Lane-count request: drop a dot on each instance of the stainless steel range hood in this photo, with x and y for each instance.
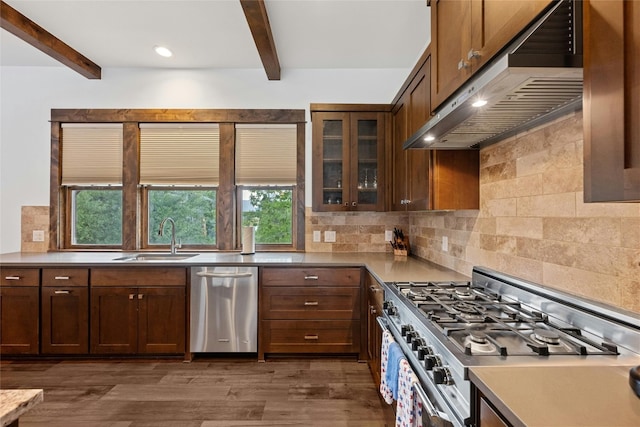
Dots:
(538, 77)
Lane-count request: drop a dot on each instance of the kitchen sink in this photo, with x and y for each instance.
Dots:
(156, 257)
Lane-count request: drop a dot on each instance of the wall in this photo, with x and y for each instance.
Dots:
(29, 94)
(533, 224)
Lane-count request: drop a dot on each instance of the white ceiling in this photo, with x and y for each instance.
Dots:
(210, 34)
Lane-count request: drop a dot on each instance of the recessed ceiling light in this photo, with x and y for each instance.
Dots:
(479, 103)
(163, 51)
(429, 138)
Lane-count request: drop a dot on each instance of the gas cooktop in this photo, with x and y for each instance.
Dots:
(483, 323)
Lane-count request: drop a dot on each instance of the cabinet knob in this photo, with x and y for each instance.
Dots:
(140, 296)
(354, 204)
(131, 296)
(346, 204)
(463, 64)
(372, 309)
(473, 54)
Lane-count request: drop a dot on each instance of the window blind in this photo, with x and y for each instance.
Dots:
(179, 154)
(266, 154)
(91, 154)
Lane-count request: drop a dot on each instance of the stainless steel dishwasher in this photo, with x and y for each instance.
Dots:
(224, 309)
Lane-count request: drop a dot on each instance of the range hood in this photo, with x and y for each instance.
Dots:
(538, 77)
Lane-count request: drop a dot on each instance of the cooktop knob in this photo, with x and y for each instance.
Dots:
(411, 336)
(418, 342)
(442, 375)
(423, 351)
(432, 361)
(405, 329)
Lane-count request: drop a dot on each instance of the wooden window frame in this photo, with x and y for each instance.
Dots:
(132, 192)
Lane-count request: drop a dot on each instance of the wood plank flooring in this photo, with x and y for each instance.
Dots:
(204, 393)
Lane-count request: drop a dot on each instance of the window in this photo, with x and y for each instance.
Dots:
(194, 213)
(117, 173)
(184, 157)
(266, 176)
(96, 216)
(270, 211)
(92, 176)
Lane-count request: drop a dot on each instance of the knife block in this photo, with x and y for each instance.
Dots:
(404, 242)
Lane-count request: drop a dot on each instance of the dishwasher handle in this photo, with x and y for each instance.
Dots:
(224, 275)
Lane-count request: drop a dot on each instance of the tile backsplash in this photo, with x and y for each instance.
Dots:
(532, 222)
(34, 218)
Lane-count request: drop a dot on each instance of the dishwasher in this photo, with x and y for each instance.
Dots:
(224, 309)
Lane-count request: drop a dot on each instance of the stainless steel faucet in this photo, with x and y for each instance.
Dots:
(173, 234)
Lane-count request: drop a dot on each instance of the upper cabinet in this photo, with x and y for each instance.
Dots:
(466, 34)
(611, 112)
(348, 153)
(428, 179)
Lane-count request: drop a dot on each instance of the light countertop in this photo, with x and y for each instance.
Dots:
(386, 267)
(14, 403)
(561, 396)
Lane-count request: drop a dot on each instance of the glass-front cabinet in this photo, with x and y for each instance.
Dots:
(348, 171)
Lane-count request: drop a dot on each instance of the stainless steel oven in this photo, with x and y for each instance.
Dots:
(445, 328)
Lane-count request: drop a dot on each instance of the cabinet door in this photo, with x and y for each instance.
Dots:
(418, 193)
(374, 331)
(456, 179)
(400, 173)
(450, 41)
(367, 152)
(495, 23)
(65, 320)
(161, 320)
(611, 108)
(330, 161)
(114, 320)
(19, 312)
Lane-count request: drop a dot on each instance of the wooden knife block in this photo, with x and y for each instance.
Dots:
(404, 242)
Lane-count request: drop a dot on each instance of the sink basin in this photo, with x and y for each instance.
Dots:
(156, 257)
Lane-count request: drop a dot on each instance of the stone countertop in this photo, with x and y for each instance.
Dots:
(14, 403)
(561, 396)
(386, 267)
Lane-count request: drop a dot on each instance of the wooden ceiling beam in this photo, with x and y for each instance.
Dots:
(256, 13)
(32, 33)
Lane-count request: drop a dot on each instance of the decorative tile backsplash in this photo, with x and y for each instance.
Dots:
(34, 218)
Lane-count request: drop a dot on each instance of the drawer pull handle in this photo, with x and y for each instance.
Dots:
(131, 296)
(310, 277)
(12, 278)
(61, 277)
(311, 303)
(311, 337)
(63, 292)
(140, 296)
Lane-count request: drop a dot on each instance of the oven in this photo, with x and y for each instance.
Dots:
(445, 328)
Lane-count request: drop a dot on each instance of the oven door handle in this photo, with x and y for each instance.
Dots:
(436, 418)
(382, 322)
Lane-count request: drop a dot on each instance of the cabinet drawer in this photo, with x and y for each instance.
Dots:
(310, 303)
(155, 276)
(64, 277)
(311, 336)
(310, 276)
(20, 277)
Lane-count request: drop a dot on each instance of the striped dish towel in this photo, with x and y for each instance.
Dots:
(408, 409)
(385, 389)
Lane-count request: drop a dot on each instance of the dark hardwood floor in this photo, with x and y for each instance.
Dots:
(203, 393)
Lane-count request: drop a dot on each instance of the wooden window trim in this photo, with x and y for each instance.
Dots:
(132, 194)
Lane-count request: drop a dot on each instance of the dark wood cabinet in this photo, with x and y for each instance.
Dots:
(19, 311)
(466, 34)
(310, 310)
(428, 179)
(348, 156)
(65, 311)
(145, 318)
(375, 297)
(611, 112)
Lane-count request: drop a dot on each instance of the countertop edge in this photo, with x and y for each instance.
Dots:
(15, 403)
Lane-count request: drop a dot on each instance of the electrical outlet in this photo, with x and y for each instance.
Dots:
(388, 235)
(38, 235)
(445, 244)
(316, 235)
(330, 236)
